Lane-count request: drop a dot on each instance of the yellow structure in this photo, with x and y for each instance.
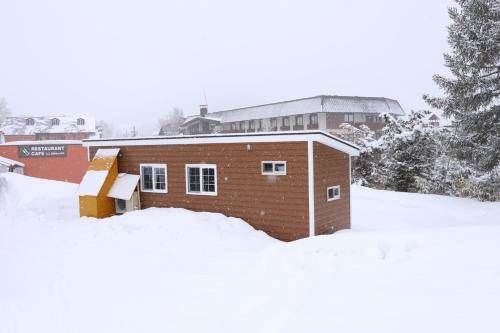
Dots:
(95, 185)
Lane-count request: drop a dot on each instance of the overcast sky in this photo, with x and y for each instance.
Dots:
(131, 61)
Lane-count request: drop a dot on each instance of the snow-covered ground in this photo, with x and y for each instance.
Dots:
(411, 263)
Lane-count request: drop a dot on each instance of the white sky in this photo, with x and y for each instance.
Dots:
(131, 61)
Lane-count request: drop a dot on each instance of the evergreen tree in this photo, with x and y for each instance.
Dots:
(365, 167)
(408, 148)
(472, 93)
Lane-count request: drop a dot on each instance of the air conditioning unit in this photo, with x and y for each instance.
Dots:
(121, 206)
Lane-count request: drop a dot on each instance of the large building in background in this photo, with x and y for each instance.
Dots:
(47, 128)
(324, 112)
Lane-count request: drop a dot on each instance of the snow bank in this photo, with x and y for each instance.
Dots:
(407, 266)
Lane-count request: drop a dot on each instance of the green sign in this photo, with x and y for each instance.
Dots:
(42, 151)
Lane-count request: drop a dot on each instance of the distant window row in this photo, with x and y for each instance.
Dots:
(285, 122)
(54, 122)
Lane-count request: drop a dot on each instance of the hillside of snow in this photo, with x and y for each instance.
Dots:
(411, 263)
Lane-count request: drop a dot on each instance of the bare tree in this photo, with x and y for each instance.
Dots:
(171, 123)
(106, 130)
(4, 109)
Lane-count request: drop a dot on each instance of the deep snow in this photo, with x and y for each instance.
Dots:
(411, 263)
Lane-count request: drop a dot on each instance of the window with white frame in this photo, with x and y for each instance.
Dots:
(348, 117)
(201, 179)
(333, 193)
(313, 119)
(273, 168)
(299, 120)
(154, 178)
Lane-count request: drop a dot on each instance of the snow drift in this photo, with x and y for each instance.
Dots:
(412, 263)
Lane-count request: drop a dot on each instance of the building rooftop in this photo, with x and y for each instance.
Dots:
(296, 136)
(53, 124)
(321, 103)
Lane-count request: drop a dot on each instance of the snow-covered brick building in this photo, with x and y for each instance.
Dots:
(324, 112)
(290, 185)
(48, 128)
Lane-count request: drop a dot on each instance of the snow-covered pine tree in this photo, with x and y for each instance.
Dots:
(408, 152)
(472, 94)
(365, 167)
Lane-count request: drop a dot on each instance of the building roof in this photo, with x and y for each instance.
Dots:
(294, 136)
(322, 103)
(192, 118)
(98, 171)
(42, 142)
(8, 162)
(22, 126)
(124, 186)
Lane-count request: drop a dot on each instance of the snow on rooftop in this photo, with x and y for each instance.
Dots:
(315, 104)
(43, 142)
(9, 162)
(189, 119)
(123, 186)
(55, 124)
(92, 182)
(103, 153)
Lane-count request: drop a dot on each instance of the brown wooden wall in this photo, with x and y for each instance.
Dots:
(277, 205)
(331, 167)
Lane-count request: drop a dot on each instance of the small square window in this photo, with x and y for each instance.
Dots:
(333, 193)
(267, 167)
(274, 168)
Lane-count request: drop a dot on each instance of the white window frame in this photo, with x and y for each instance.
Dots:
(334, 197)
(201, 166)
(153, 166)
(273, 173)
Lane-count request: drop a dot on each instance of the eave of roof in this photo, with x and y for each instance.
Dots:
(318, 136)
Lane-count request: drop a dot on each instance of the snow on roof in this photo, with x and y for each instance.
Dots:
(319, 136)
(323, 103)
(55, 124)
(43, 142)
(103, 153)
(123, 186)
(92, 182)
(9, 162)
(189, 119)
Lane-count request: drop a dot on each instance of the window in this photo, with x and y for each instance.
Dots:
(242, 125)
(251, 124)
(55, 122)
(154, 178)
(348, 117)
(201, 179)
(299, 120)
(30, 122)
(333, 193)
(80, 121)
(285, 122)
(313, 119)
(261, 125)
(274, 168)
(233, 126)
(274, 123)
